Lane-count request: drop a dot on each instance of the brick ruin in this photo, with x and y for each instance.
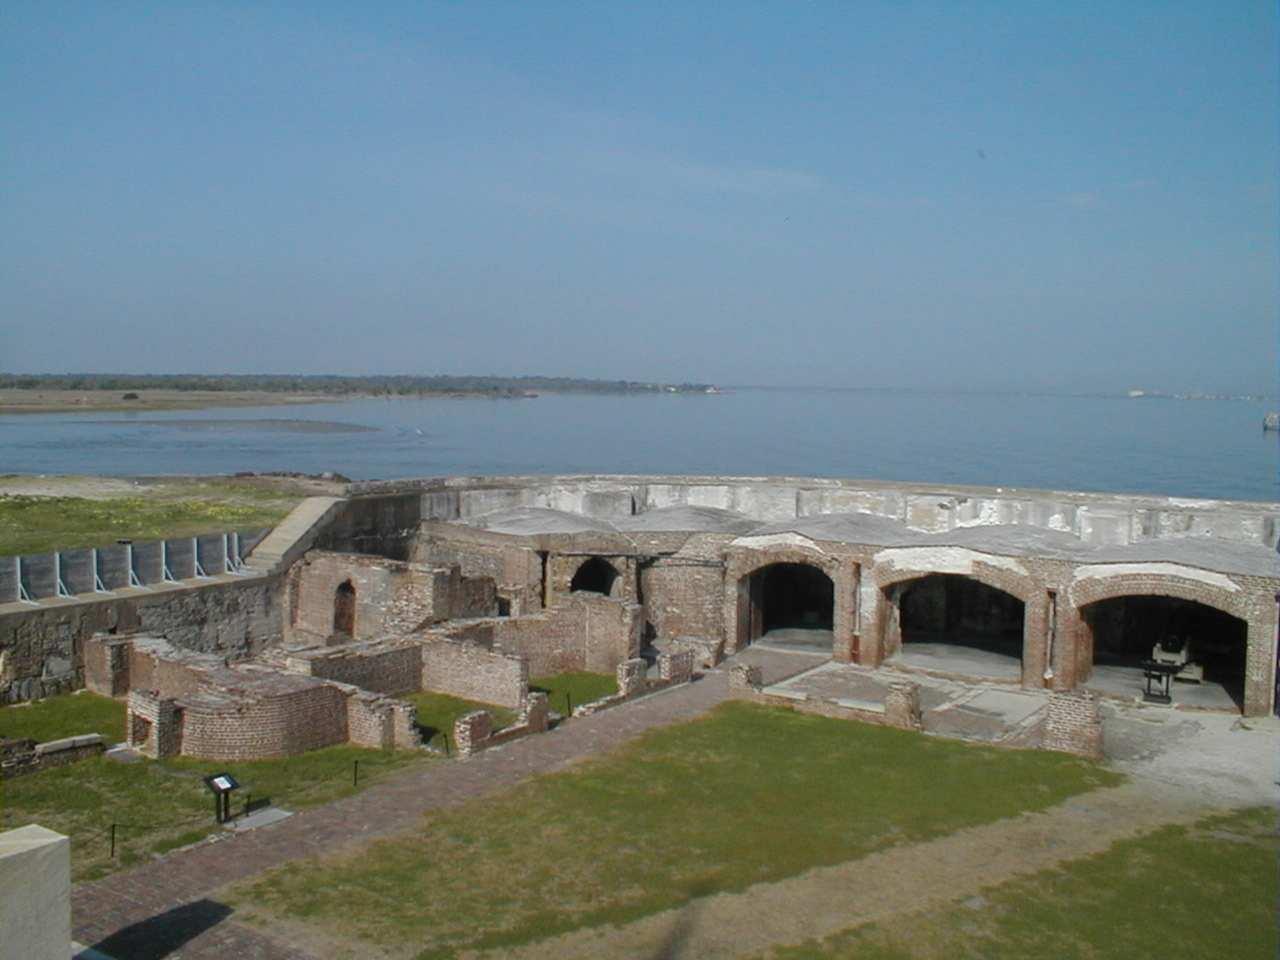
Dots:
(471, 586)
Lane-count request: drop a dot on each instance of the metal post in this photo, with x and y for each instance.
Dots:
(59, 588)
(22, 591)
(98, 586)
(195, 552)
(133, 576)
(165, 572)
(355, 773)
(113, 841)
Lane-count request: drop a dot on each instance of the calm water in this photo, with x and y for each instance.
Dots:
(1184, 448)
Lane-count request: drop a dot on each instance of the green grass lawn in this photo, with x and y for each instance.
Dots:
(65, 716)
(747, 794)
(438, 711)
(159, 806)
(42, 524)
(567, 690)
(1178, 893)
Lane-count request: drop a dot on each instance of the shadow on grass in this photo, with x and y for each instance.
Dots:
(672, 946)
(166, 933)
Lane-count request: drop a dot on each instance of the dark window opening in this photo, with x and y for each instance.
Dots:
(594, 576)
(953, 609)
(792, 601)
(1212, 644)
(344, 609)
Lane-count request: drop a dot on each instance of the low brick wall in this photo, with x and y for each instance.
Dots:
(474, 731)
(633, 680)
(469, 671)
(390, 668)
(901, 707)
(20, 757)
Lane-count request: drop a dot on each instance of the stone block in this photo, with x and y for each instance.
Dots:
(35, 894)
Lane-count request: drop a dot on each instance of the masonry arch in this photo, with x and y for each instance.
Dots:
(595, 575)
(1123, 626)
(956, 623)
(344, 609)
(789, 602)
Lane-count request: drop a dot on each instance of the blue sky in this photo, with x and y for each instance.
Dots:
(1006, 196)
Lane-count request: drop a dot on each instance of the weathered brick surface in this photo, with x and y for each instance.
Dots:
(1073, 725)
(465, 670)
(676, 667)
(902, 705)
(20, 757)
(744, 678)
(42, 647)
(388, 668)
(471, 731)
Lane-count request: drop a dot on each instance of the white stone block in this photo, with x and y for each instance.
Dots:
(35, 894)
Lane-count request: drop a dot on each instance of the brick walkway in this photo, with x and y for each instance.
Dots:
(164, 909)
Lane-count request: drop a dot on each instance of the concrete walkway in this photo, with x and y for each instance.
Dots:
(165, 908)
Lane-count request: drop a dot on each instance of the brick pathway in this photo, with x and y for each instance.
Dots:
(164, 909)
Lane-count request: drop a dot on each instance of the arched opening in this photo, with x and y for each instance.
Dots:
(1206, 645)
(344, 609)
(595, 576)
(792, 604)
(954, 624)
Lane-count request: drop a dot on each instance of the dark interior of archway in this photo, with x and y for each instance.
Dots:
(595, 576)
(344, 609)
(948, 608)
(1126, 630)
(796, 595)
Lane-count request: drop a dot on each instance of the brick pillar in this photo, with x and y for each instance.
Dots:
(471, 730)
(535, 712)
(153, 725)
(1035, 639)
(744, 678)
(1073, 725)
(902, 705)
(631, 677)
(675, 667)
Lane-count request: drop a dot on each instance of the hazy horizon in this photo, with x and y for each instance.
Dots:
(978, 198)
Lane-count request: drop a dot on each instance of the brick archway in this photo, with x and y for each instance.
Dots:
(595, 575)
(344, 609)
(1239, 619)
(743, 611)
(893, 583)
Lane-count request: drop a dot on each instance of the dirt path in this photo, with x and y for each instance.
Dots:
(901, 880)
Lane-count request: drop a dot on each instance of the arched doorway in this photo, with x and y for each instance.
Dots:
(1207, 644)
(344, 609)
(791, 604)
(955, 624)
(596, 575)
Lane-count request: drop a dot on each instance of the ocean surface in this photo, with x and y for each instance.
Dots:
(1214, 449)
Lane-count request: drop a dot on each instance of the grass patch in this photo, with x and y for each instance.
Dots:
(1179, 893)
(161, 806)
(42, 524)
(69, 715)
(567, 690)
(438, 711)
(744, 795)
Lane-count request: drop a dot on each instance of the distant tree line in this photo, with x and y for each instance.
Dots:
(398, 385)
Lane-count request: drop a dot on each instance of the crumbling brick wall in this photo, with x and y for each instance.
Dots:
(20, 757)
(390, 668)
(391, 596)
(582, 632)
